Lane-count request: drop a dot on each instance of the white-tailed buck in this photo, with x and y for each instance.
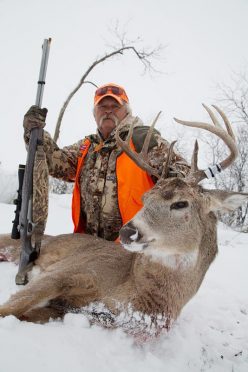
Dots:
(167, 249)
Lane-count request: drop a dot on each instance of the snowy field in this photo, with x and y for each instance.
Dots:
(210, 335)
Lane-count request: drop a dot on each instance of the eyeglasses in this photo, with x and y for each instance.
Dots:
(110, 89)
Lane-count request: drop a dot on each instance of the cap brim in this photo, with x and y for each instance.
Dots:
(118, 99)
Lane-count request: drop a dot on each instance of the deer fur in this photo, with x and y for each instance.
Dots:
(167, 249)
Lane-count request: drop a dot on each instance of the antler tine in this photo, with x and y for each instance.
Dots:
(227, 137)
(195, 175)
(138, 158)
(166, 169)
(130, 132)
(226, 121)
(212, 116)
(124, 144)
(145, 146)
(194, 159)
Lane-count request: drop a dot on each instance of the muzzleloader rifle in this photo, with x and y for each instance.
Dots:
(30, 232)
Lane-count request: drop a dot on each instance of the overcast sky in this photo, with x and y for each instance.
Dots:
(205, 41)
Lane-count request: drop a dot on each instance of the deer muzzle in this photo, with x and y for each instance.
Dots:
(129, 234)
(131, 238)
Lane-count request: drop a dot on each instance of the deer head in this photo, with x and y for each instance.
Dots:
(178, 214)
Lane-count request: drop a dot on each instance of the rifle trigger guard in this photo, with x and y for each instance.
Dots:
(30, 228)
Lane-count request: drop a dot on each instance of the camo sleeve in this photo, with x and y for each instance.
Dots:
(158, 154)
(62, 163)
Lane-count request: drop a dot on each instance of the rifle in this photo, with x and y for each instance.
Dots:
(26, 225)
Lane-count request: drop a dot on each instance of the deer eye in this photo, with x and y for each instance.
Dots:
(179, 205)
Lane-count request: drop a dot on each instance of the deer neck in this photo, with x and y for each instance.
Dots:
(164, 287)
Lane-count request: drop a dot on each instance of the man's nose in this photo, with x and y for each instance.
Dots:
(108, 110)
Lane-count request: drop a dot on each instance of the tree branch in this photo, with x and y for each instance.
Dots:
(143, 55)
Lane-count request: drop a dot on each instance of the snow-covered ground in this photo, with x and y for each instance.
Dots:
(210, 335)
(8, 185)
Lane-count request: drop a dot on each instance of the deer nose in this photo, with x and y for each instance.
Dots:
(129, 234)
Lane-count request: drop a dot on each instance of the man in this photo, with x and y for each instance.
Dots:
(108, 185)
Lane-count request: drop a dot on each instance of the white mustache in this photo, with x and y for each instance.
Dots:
(112, 117)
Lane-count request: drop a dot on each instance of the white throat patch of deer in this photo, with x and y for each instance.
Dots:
(170, 244)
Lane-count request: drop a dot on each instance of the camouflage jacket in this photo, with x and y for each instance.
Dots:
(98, 186)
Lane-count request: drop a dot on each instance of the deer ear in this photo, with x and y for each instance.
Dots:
(226, 201)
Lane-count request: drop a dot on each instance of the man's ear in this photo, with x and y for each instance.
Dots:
(225, 201)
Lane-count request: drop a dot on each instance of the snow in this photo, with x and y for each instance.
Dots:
(8, 185)
(210, 335)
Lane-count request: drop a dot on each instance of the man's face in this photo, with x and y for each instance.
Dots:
(108, 113)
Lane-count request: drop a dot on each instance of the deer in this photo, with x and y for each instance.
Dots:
(165, 250)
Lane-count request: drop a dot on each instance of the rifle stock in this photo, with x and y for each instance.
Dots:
(26, 225)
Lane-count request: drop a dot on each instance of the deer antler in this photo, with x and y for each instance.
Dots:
(141, 158)
(166, 170)
(196, 175)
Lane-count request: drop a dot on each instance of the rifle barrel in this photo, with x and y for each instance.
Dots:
(43, 69)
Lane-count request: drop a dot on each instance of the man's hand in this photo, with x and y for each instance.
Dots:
(35, 118)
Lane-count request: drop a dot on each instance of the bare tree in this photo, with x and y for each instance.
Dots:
(234, 96)
(234, 100)
(122, 46)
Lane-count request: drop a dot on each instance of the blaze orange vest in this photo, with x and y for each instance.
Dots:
(132, 183)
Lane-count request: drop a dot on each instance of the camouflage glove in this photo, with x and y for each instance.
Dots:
(35, 118)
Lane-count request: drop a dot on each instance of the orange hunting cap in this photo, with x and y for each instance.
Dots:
(111, 90)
